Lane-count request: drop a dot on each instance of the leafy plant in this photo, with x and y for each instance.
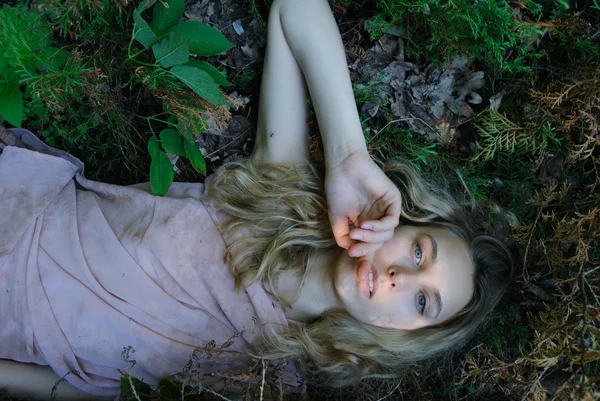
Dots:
(490, 31)
(171, 44)
(26, 54)
(499, 134)
(74, 103)
(85, 19)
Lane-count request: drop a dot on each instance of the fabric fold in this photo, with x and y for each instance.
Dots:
(88, 270)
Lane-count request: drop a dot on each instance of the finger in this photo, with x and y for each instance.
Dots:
(384, 224)
(341, 231)
(389, 221)
(358, 234)
(363, 249)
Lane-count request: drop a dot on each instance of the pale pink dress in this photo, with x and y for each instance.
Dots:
(88, 269)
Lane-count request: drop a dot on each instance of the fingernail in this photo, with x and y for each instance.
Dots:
(367, 227)
(357, 237)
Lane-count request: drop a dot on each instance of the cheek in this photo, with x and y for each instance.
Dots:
(397, 311)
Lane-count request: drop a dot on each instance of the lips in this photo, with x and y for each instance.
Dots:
(362, 274)
(375, 281)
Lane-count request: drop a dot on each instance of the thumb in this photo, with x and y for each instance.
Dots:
(341, 230)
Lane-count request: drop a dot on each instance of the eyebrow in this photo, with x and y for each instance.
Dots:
(438, 298)
(434, 247)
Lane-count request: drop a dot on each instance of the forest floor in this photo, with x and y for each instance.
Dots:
(505, 93)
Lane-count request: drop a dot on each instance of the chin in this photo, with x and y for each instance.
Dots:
(345, 282)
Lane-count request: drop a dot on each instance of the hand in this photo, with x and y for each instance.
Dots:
(357, 190)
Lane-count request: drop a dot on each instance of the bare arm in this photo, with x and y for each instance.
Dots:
(282, 134)
(356, 188)
(25, 380)
(313, 36)
(304, 42)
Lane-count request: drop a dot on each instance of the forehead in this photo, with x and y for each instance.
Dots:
(454, 270)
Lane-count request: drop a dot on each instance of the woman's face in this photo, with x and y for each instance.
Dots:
(421, 277)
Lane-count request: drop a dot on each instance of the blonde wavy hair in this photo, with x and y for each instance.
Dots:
(283, 212)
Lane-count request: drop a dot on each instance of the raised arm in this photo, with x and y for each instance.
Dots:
(356, 188)
(303, 42)
(282, 133)
(313, 36)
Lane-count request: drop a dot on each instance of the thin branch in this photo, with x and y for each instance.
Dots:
(227, 144)
(529, 243)
(135, 394)
(537, 380)
(391, 392)
(262, 383)
(397, 121)
(591, 289)
(591, 271)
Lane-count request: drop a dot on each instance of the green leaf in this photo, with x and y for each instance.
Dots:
(200, 82)
(142, 32)
(27, 32)
(124, 384)
(11, 106)
(172, 50)
(11, 74)
(60, 58)
(144, 5)
(164, 18)
(172, 142)
(8, 72)
(52, 59)
(161, 170)
(193, 153)
(217, 75)
(131, 387)
(204, 39)
(168, 389)
(3, 64)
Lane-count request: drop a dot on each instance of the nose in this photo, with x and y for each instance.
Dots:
(398, 277)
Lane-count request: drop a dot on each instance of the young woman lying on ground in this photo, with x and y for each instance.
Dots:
(89, 269)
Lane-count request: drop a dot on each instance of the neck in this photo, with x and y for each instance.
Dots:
(317, 294)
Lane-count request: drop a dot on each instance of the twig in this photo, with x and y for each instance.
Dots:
(528, 244)
(228, 144)
(591, 271)
(280, 389)
(54, 391)
(183, 384)
(213, 392)
(391, 392)
(397, 121)
(135, 394)
(262, 383)
(535, 383)
(591, 289)
(584, 314)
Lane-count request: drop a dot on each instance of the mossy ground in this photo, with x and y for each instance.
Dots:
(537, 157)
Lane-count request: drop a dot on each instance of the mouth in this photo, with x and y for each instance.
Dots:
(373, 283)
(367, 277)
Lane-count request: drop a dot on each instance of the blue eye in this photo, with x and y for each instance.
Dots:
(422, 302)
(418, 252)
